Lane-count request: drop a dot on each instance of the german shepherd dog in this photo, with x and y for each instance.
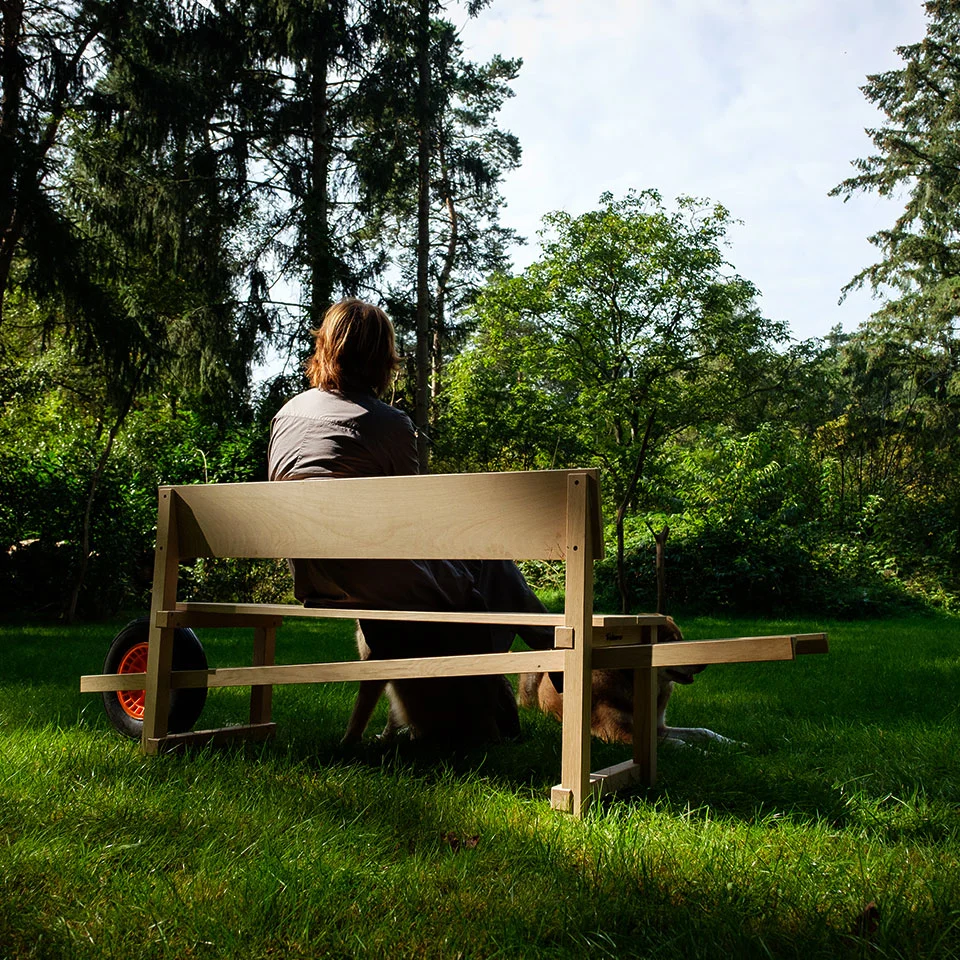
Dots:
(447, 711)
(611, 716)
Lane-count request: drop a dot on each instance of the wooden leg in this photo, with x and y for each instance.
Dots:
(367, 697)
(264, 652)
(574, 792)
(156, 708)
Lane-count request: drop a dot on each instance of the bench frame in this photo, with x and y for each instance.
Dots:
(552, 514)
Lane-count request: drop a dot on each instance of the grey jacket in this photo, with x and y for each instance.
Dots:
(321, 435)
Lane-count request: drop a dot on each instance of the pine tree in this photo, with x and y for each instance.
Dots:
(901, 426)
(49, 59)
(918, 153)
(431, 159)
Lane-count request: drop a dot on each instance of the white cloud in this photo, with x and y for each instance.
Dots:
(752, 103)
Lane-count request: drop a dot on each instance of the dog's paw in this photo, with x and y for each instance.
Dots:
(675, 743)
(697, 735)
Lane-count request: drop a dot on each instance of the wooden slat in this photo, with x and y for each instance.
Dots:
(529, 661)
(612, 635)
(207, 614)
(617, 777)
(254, 618)
(612, 621)
(196, 614)
(645, 689)
(466, 516)
(166, 568)
(264, 651)
(692, 652)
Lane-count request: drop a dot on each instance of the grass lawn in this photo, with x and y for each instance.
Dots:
(846, 795)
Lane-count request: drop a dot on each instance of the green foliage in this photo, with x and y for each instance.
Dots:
(753, 527)
(630, 329)
(50, 444)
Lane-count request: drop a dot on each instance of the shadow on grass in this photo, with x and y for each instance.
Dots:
(417, 859)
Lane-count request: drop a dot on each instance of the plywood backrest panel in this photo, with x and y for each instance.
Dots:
(436, 516)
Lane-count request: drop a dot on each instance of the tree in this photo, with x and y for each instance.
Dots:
(431, 159)
(918, 152)
(50, 58)
(900, 429)
(130, 263)
(314, 52)
(629, 329)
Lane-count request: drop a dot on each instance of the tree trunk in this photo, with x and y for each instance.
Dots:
(621, 517)
(70, 612)
(422, 404)
(444, 280)
(13, 79)
(661, 565)
(318, 203)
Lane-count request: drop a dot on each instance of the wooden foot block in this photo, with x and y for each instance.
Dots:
(619, 776)
(561, 798)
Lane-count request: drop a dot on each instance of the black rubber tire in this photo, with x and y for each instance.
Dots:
(185, 705)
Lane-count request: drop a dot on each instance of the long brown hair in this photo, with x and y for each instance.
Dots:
(355, 348)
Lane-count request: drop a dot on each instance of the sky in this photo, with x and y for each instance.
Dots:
(754, 104)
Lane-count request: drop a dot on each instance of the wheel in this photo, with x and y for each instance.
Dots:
(128, 654)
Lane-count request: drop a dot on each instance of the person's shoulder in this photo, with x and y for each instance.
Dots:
(315, 404)
(301, 403)
(392, 414)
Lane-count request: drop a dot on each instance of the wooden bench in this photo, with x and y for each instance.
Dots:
(546, 515)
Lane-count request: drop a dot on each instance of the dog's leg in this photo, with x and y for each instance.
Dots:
(505, 710)
(367, 696)
(681, 736)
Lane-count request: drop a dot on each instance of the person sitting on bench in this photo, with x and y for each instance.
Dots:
(340, 428)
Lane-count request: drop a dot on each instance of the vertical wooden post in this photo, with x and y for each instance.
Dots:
(645, 719)
(261, 695)
(166, 570)
(573, 794)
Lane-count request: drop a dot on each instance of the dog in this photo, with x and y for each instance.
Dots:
(611, 716)
(445, 711)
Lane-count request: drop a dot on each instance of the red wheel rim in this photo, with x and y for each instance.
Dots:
(134, 661)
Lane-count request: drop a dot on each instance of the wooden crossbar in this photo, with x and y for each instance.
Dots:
(474, 665)
(218, 614)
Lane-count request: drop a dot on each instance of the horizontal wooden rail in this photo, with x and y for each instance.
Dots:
(804, 643)
(534, 661)
(694, 652)
(206, 614)
(684, 653)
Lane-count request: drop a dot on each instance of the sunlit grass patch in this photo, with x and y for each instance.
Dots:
(844, 794)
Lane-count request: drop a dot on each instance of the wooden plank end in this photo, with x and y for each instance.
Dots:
(619, 776)
(805, 643)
